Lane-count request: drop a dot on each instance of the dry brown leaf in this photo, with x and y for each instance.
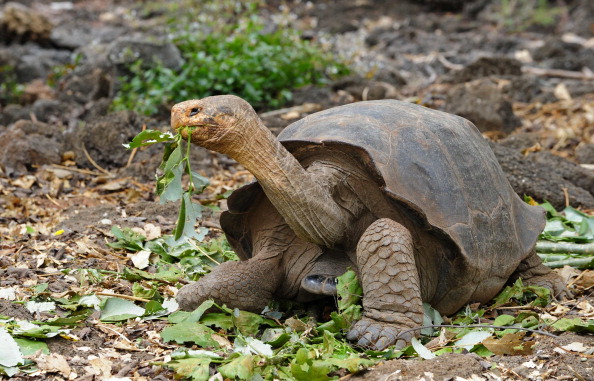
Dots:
(223, 341)
(509, 344)
(586, 280)
(54, 363)
(99, 366)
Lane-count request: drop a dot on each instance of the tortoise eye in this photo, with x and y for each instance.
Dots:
(195, 111)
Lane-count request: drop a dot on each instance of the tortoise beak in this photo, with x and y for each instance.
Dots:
(175, 117)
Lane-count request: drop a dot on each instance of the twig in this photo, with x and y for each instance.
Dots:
(557, 73)
(574, 353)
(52, 200)
(203, 252)
(90, 159)
(576, 373)
(566, 194)
(134, 150)
(123, 296)
(83, 171)
(448, 64)
(114, 331)
(576, 279)
(477, 326)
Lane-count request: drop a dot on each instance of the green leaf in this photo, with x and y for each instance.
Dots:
(217, 319)
(199, 182)
(421, 350)
(10, 353)
(430, 317)
(190, 331)
(472, 339)
(349, 290)
(43, 331)
(574, 325)
(199, 311)
(352, 364)
(117, 309)
(169, 274)
(30, 347)
(521, 293)
(276, 337)
(195, 368)
(148, 137)
(72, 319)
(549, 208)
(127, 239)
(248, 323)
(169, 185)
(189, 213)
(503, 320)
(310, 370)
(240, 367)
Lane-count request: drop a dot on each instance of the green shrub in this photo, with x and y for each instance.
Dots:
(519, 15)
(10, 90)
(238, 58)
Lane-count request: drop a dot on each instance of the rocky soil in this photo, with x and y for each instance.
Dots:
(528, 87)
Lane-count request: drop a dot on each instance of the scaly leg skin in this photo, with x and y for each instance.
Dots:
(247, 285)
(391, 295)
(534, 273)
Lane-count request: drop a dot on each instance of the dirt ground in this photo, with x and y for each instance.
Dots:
(541, 125)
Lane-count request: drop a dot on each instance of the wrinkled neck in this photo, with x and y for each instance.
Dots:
(306, 206)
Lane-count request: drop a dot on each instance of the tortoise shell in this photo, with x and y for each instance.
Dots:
(436, 164)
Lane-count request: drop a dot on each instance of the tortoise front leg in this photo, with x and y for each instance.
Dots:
(391, 294)
(247, 285)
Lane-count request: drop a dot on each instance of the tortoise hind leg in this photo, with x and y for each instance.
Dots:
(391, 294)
(534, 272)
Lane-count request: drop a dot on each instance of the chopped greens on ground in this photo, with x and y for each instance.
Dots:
(567, 239)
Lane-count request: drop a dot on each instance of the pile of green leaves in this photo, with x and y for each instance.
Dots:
(249, 345)
(226, 54)
(567, 239)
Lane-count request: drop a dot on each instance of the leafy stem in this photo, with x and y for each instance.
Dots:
(174, 165)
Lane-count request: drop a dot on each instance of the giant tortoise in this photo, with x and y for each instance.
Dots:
(411, 198)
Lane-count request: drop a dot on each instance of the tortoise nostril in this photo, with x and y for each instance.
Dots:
(195, 111)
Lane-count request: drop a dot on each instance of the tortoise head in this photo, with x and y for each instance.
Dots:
(221, 123)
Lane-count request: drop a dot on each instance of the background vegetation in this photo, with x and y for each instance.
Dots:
(234, 53)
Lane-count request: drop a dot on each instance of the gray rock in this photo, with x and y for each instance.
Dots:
(585, 153)
(86, 83)
(484, 104)
(30, 61)
(558, 54)
(126, 51)
(103, 139)
(486, 67)
(26, 144)
(11, 113)
(48, 110)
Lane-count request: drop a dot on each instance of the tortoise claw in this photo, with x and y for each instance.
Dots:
(378, 336)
